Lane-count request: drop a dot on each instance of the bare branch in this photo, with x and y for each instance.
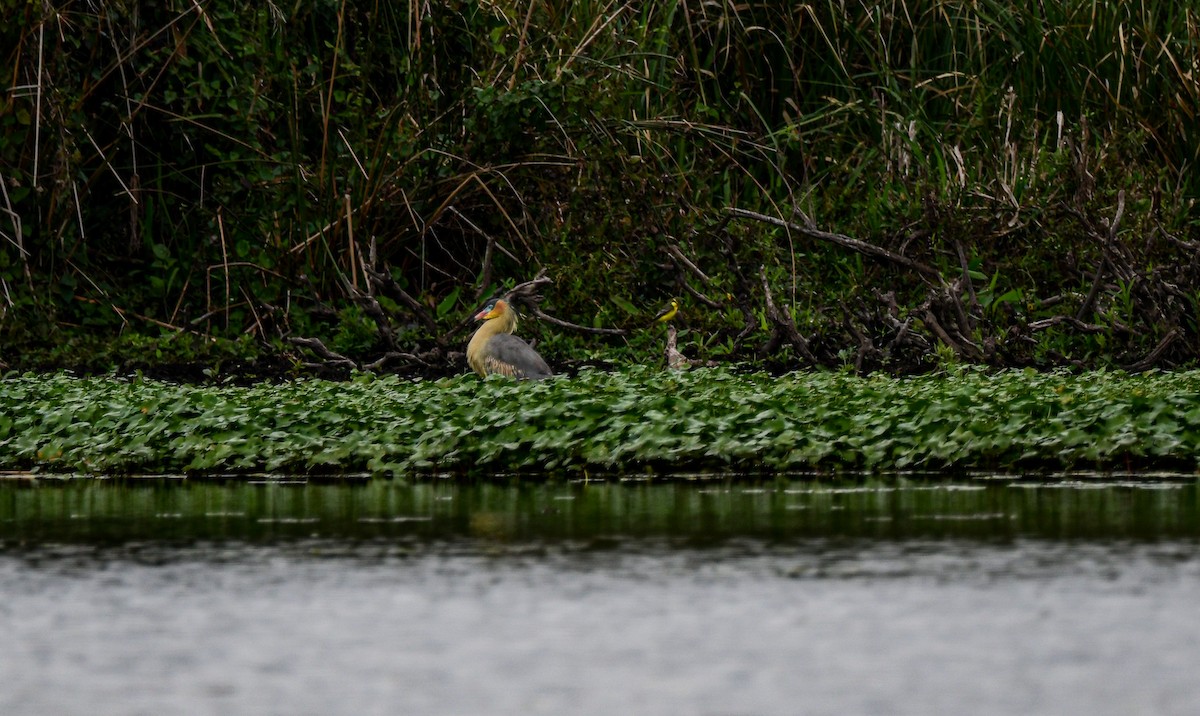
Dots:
(700, 297)
(963, 347)
(576, 327)
(749, 321)
(782, 321)
(682, 263)
(370, 306)
(316, 346)
(1153, 356)
(410, 358)
(966, 281)
(858, 245)
(485, 271)
(1105, 262)
(1070, 321)
(677, 254)
(384, 283)
(529, 293)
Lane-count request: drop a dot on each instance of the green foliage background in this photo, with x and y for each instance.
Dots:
(192, 174)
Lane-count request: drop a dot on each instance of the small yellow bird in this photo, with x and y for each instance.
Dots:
(668, 313)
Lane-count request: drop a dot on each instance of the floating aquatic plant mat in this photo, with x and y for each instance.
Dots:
(633, 420)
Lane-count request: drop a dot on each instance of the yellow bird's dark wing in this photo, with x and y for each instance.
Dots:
(668, 313)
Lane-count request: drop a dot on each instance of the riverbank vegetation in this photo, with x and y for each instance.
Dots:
(869, 185)
(624, 422)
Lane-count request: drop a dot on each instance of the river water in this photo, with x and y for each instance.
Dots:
(869, 596)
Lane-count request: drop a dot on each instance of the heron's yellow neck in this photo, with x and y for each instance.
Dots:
(504, 323)
(492, 327)
(508, 322)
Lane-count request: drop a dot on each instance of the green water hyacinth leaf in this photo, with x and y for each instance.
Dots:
(625, 421)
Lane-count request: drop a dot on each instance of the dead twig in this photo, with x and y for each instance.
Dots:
(316, 346)
(370, 306)
(542, 315)
(701, 298)
(903, 335)
(683, 265)
(782, 323)
(968, 318)
(367, 300)
(1154, 355)
(858, 245)
(1072, 321)
(749, 321)
(529, 295)
(866, 347)
(1106, 260)
(677, 254)
(424, 359)
(384, 283)
(963, 347)
(485, 271)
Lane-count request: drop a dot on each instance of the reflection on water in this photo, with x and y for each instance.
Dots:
(713, 597)
(695, 511)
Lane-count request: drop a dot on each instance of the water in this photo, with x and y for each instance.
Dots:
(884, 596)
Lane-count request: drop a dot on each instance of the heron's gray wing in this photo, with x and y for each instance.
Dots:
(510, 355)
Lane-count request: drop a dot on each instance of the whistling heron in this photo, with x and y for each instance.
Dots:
(493, 348)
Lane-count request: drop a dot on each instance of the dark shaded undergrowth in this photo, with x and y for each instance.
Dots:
(887, 186)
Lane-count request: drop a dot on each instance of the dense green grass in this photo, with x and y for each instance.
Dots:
(631, 421)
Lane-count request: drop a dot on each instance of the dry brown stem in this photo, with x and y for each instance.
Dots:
(1154, 355)
(1106, 260)
(782, 325)
(858, 245)
(384, 283)
(316, 346)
